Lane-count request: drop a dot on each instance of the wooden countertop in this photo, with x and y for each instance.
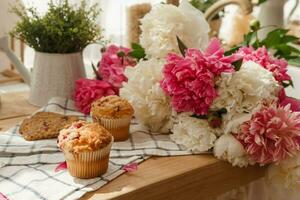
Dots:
(158, 178)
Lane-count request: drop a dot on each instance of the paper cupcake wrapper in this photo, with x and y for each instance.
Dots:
(88, 164)
(119, 128)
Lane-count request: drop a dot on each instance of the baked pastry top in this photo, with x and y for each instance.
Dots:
(83, 136)
(44, 125)
(111, 107)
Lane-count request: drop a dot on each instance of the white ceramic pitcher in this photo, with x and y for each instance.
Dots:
(53, 74)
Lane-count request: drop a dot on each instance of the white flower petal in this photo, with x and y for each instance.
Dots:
(164, 22)
(242, 93)
(194, 134)
(230, 149)
(152, 107)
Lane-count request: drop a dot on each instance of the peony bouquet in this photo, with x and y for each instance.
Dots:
(232, 103)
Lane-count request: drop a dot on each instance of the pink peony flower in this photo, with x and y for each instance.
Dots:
(88, 90)
(261, 56)
(113, 63)
(190, 80)
(272, 134)
(215, 59)
(285, 100)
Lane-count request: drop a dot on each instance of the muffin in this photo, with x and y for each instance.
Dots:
(86, 147)
(114, 113)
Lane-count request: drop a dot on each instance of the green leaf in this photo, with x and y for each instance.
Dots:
(277, 41)
(121, 54)
(289, 38)
(96, 72)
(137, 52)
(136, 46)
(275, 37)
(237, 64)
(200, 116)
(222, 111)
(202, 5)
(232, 50)
(286, 51)
(181, 45)
(261, 1)
(248, 38)
(291, 49)
(286, 84)
(295, 62)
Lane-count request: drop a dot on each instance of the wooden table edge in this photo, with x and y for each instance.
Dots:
(198, 183)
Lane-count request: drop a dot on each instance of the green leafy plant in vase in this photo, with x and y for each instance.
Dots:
(58, 38)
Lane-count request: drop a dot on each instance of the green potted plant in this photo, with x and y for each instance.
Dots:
(58, 38)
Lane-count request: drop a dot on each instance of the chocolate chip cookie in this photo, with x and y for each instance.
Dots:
(44, 125)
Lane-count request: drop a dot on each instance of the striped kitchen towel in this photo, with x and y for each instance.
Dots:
(43, 182)
(14, 149)
(28, 166)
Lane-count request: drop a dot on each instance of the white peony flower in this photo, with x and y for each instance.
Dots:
(255, 81)
(283, 179)
(194, 134)
(151, 106)
(230, 149)
(232, 121)
(242, 93)
(164, 22)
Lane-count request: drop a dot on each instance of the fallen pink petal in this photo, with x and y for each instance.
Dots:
(131, 167)
(61, 166)
(3, 197)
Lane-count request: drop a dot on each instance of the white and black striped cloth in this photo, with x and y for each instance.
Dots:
(28, 167)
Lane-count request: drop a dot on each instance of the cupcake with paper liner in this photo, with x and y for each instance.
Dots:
(114, 113)
(86, 147)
